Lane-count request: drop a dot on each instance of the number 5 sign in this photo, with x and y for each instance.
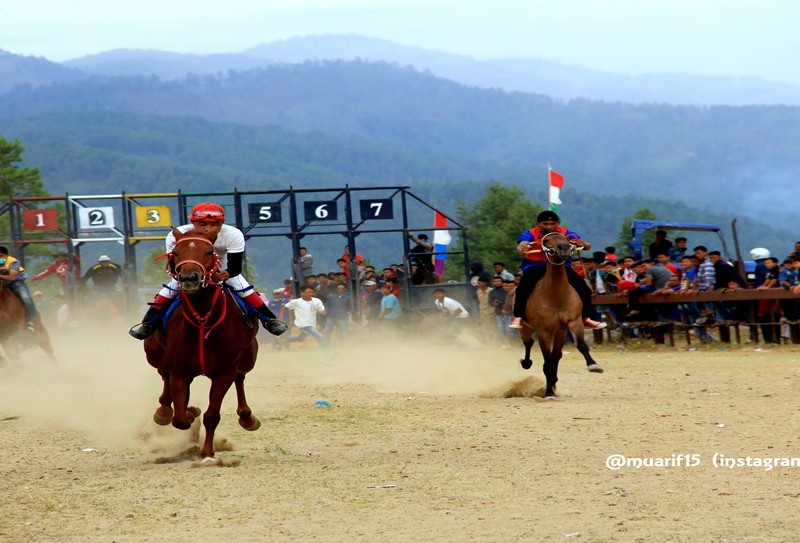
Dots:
(92, 218)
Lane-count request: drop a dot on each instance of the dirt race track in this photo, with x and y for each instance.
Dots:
(417, 444)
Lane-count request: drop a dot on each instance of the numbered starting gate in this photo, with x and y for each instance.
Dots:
(117, 224)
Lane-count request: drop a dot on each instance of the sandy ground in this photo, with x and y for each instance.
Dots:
(417, 443)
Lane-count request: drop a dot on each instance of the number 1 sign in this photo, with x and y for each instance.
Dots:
(39, 219)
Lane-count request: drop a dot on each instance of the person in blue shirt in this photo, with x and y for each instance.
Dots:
(390, 305)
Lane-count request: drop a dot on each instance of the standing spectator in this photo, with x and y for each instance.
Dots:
(662, 259)
(338, 308)
(660, 245)
(421, 257)
(325, 287)
(288, 289)
(390, 311)
(303, 267)
(105, 275)
(500, 270)
(486, 311)
(677, 251)
(61, 269)
(372, 301)
(796, 253)
(497, 297)
(760, 255)
(706, 277)
(767, 309)
(306, 308)
(724, 272)
(611, 254)
(787, 279)
(626, 272)
(452, 310)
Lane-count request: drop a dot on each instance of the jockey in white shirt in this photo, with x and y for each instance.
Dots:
(209, 218)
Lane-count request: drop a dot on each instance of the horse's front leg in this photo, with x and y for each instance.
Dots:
(163, 414)
(246, 418)
(219, 387)
(179, 389)
(578, 332)
(526, 334)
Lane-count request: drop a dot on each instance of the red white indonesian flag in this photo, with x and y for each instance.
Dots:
(556, 183)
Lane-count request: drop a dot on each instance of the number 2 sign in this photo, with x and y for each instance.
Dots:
(91, 218)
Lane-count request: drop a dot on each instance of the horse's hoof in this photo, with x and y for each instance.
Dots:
(594, 368)
(255, 424)
(194, 411)
(550, 397)
(526, 363)
(163, 415)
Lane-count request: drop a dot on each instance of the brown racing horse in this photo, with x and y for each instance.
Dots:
(13, 333)
(553, 308)
(205, 335)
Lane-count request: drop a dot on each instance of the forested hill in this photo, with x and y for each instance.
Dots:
(687, 153)
(108, 152)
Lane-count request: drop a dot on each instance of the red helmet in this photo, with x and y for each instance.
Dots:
(207, 212)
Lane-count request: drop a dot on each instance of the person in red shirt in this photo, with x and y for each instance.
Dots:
(61, 269)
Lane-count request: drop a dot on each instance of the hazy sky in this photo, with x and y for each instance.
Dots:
(729, 37)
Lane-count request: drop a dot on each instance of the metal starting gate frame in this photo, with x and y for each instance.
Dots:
(127, 219)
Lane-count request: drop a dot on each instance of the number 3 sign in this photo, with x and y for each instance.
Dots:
(91, 218)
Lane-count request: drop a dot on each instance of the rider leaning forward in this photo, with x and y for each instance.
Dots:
(208, 219)
(534, 265)
(13, 274)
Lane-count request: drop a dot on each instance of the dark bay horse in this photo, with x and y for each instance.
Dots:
(12, 326)
(553, 308)
(205, 335)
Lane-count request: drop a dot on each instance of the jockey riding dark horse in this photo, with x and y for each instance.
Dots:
(13, 274)
(229, 244)
(534, 266)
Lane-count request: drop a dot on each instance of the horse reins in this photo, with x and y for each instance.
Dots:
(200, 322)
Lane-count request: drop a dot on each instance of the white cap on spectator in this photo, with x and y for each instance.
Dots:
(104, 258)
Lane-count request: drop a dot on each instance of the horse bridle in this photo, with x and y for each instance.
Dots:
(550, 252)
(208, 274)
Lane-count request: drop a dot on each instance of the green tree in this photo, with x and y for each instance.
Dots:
(493, 223)
(14, 180)
(626, 235)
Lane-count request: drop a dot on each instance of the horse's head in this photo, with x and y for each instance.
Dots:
(193, 261)
(557, 248)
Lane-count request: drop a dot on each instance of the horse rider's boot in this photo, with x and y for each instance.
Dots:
(145, 328)
(593, 324)
(265, 315)
(516, 323)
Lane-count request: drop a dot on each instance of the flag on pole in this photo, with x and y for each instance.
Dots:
(556, 184)
(441, 239)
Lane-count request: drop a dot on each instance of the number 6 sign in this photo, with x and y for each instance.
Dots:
(321, 211)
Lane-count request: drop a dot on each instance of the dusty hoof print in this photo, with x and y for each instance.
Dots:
(595, 368)
(524, 388)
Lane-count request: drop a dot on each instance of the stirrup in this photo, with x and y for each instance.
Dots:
(275, 327)
(593, 324)
(516, 323)
(143, 330)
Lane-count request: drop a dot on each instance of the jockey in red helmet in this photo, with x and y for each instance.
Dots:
(229, 242)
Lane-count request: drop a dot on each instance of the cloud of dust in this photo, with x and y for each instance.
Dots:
(101, 385)
(414, 363)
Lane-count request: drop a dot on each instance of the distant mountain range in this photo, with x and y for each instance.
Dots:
(535, 76)
(260, 119)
